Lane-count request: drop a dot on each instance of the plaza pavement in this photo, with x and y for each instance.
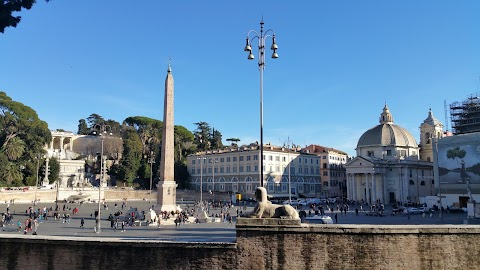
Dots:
(204, 232)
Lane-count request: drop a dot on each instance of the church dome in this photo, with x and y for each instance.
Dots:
(387, 134)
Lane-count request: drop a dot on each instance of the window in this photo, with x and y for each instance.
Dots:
(264, 157)
(248, 168)
(228, 159)
(389, 153)
(234, 159)
(325, 184)
(193, 171)
(228, 169)
(249, 157)
(324, 165)
(411, 182)
(300, 170)
(216, 170)
(325, 173)
(270, 158)
(198, 171)
(234, 169)
(370, 154)
(256, 168)
(241, 158)
(324, 157)
(277, 158)
(311, 161)
(255, 157)
(284, 159)
(193, 161)
(422, 183)
(209, 170)
(221, 170)
(300, 160)
(222, 160)
(241, 169)
(292, 170)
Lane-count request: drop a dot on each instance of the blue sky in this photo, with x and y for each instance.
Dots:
(340, 61)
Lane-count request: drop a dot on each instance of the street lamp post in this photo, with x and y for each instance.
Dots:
(103, 130)
(288, 161)
(151, 160)
(213, 177)
(201, 159)
(36, 182)
(436, 172)
(261, 66)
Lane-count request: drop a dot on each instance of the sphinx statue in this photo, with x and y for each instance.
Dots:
(266, 209)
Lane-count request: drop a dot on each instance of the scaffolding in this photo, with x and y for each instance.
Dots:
(465, 115)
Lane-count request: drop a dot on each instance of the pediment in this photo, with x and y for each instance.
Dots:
(359, 162)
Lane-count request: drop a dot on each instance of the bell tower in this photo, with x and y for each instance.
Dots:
(431, 130)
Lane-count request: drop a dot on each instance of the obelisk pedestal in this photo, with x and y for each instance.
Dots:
(166, 187)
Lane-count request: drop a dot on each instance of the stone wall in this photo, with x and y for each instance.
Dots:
(260, 247)
(27, 252)
(358, 247)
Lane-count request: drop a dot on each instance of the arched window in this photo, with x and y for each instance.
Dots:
(411, 182)
(422, 183)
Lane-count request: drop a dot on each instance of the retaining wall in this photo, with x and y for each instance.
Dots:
(260, 247)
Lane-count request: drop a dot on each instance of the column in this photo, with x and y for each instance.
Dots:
(354, 187)
(374, 189)
(61, 143)
(71, 144)
(367, 188)
(349, 187)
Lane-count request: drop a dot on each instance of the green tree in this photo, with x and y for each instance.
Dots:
(181, 175)
(202, 136)
(94, 119)
(14, 149)
(82, 127)
(53, 170)
(216, 140)
(8, 7)
(234, 141)
(131, 158)
(22, 138)
(183, 143)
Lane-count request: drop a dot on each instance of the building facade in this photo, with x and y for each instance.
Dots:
(236, 170)
(332, 170)
(388, 167)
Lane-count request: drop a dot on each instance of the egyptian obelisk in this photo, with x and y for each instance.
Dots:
(166, 187)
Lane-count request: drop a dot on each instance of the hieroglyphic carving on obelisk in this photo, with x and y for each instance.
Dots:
(166, 197)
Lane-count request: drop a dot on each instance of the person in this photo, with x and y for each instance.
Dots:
(19, 225)
(35, 223)
(123, 226)
(336, 218)
(82, 222)
(356, 211)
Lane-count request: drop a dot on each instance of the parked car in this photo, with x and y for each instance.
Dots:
(415, 211)
(398, 210)
(320, 219)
